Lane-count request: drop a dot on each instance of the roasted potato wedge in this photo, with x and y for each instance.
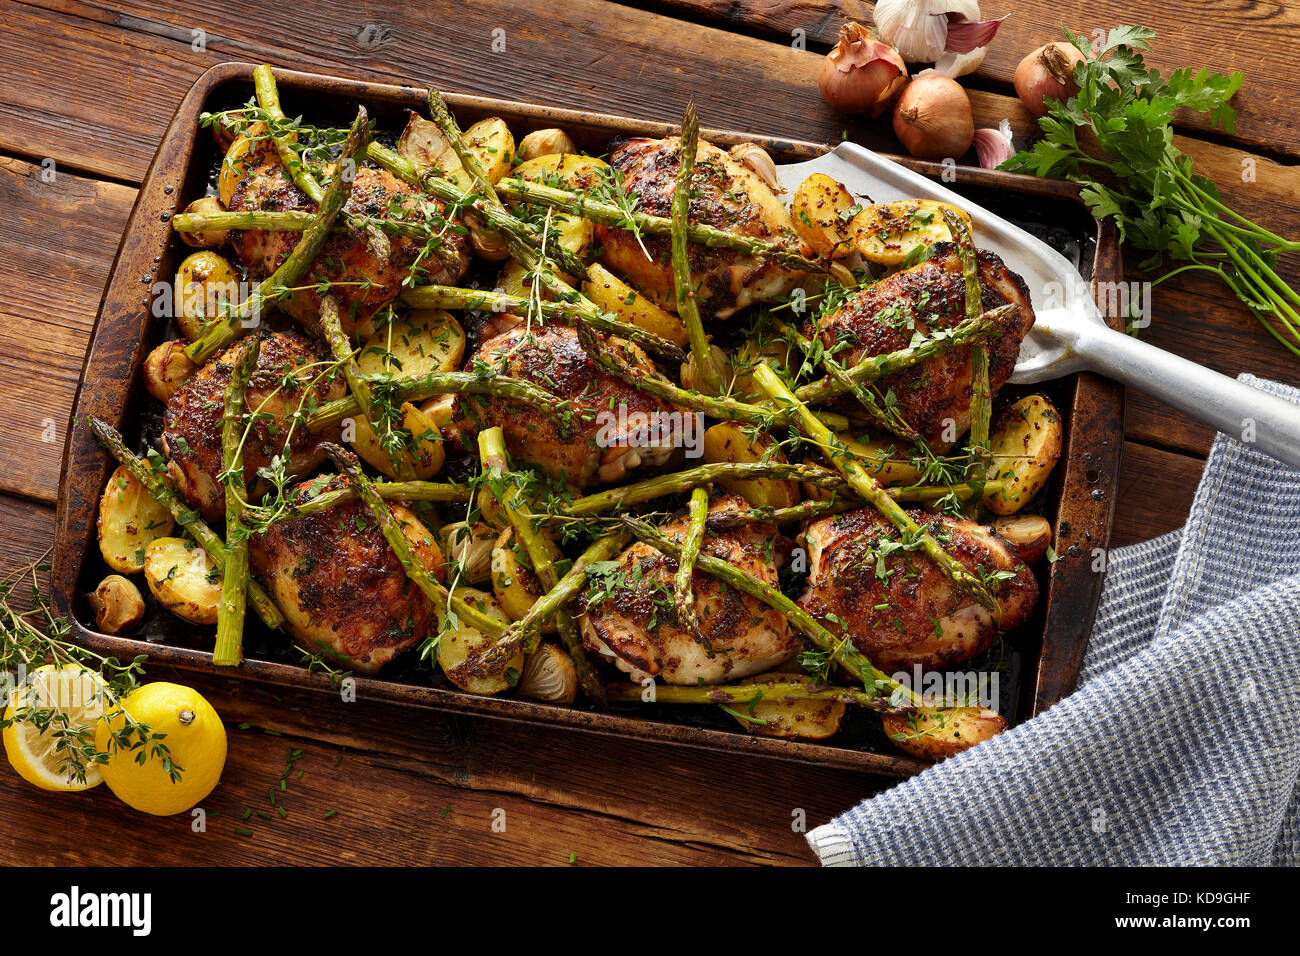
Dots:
(888, 233)
(203, 282)
(166, 369)
(423, 456)
(440, 410)
(1025, 446)
(461, 649)
(468, 548)
(207, 238)
(419, 343)
(129, 519)
(545, 142)
(566, 171)
(493, 144)
(1030, 535)
(513, 581)
(789, 719)
(728, 441)
(184, 579)
(821, 214)
(936, 733)
(238, 160)
(612, 294)
(117, 603)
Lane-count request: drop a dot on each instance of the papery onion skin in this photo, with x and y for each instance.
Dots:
(933, 118)
(1047, 73)
(862, 74)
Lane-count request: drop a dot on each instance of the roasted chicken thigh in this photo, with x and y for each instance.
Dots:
(635, 623)
(899, 609)
(600, 443)
(341, 587)
(288, 377)
(724, 193)
(930, 296)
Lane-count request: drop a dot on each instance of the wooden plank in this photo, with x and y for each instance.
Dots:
(1189, 35)
(1156, 488)
(57, 241)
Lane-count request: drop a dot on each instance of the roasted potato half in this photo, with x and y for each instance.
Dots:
(821, 211)
(204, 281)
(461, 649)
(468, 547)
(789, 719)
(166, 369)
(513, 581)
(890, 232)
(239, 159)
(1025, 446)
(421, 342)
(184, 579)
(936, 733)
(129, 519)
(493, 144)
(566, 171)
(421, 457)
(728, 441)
(612, 294)
(117, 603)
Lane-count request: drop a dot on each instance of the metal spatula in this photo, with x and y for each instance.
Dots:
(1069, 334)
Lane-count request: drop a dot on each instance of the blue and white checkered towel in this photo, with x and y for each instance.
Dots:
(1181, 745)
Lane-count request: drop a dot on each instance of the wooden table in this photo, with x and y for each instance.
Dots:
(85, 91)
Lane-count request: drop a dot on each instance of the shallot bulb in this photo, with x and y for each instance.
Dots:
(1047, 73)
(861, 75)
(933, 118)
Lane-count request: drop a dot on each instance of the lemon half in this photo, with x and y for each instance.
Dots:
(40, 758)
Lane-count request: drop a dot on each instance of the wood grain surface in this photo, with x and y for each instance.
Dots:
(86, 88)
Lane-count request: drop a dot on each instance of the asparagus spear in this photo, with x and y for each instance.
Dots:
(582, 204)
(443, 599)
(498, 218)
(684, 579)
(299, 260)
(268, 97)
(445, 383)
(387, 490)
(228, 650)
(981, 399)
(841, 649)
(725, 409)
(869, 489)
(287, 220)
(358, 386)
(566, 589)
(688, 309)
(492, 453)
(451, 297)
(745, 694)
(812, 509)
(186, 517)
(876, 367)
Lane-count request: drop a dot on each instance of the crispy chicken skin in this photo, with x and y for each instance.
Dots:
(192, 421)
(341, 587)
(636, 623)
(345, 257)
(900, 609)
(930, 296)
(725, 194)
(551, 357)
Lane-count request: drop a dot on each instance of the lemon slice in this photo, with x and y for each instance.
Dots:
(75, 695)
(180, 720)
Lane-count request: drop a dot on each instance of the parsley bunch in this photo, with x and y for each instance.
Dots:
(1132, 173)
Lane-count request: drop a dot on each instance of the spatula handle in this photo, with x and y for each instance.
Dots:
(1256, 418)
